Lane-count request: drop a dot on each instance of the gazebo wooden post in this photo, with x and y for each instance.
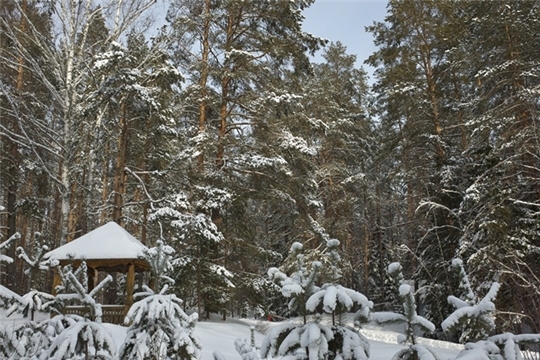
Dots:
(92, 278)
(130, 285)
(57, 280)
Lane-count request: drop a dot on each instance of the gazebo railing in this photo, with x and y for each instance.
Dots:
(113, 314)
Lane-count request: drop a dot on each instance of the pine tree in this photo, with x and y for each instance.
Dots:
(301, 284)
(83, 339)
(160, 329)
(411, 323)
(473, 318)
(312, 339)
(500, 200)
(234, 54)
(32, 340)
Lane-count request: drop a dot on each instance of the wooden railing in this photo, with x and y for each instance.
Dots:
(113, 314)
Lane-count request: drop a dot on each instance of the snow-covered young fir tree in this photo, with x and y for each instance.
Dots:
(312, 339)
(62, 337)
(159, 328)
(32, 340)
(87, 337)
(410, 323)
(474, 320)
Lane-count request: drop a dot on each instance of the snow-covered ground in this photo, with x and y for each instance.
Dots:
(220, 335)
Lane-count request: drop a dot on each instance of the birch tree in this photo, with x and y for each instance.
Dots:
(64, 73)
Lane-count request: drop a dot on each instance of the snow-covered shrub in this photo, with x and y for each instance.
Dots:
(473, 318)
(505, 346)
(84, 339)
(410, 323)
(301, 342)
(31, 340)
(245, 350)
(160, 329)
(32, 301)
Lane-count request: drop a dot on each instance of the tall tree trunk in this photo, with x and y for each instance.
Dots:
(15, 158)
(224, 106)
(204, 76)
(69, 93)
(120, 173)
(104, 185)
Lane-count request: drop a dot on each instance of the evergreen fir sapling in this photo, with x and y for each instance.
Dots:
(35, 263)
(160, 259)
(31, 340)
(335, 299)
(33, 301)
(314, 340)
(473, 318)
(505, 346)
(62, 337)
(9, 298)
(511, 345)
(84, 339)
(87, 337)
(297, 341)
(159, 328)
(80, 289)
(245, 350)
(301, 284)
(410, 323)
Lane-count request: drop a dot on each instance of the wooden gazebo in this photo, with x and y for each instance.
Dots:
(109, 248)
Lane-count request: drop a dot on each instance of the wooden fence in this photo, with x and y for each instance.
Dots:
(113, 314)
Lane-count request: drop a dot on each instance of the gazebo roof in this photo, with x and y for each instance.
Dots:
(109, 247)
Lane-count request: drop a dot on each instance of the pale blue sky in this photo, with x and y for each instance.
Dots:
(345, 21)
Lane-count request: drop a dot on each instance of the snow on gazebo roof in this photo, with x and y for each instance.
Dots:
(109, 241)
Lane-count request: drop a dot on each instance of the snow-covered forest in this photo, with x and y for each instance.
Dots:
(210, 129)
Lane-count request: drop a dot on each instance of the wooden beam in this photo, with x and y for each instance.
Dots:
(110, 265)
